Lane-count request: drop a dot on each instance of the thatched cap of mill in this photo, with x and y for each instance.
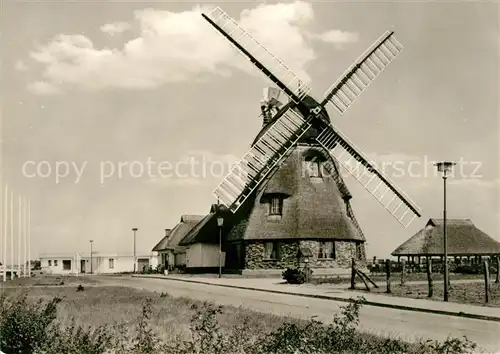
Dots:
(463, 239)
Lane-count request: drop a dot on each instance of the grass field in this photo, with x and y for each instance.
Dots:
(464, 293)
(395, 277)
(172, 321)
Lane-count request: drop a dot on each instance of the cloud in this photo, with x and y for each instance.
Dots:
(337, 37)
(43, 88)
(115, 28)
(20, 66)
(173, 47)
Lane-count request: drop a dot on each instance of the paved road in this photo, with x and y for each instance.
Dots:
(382, 321)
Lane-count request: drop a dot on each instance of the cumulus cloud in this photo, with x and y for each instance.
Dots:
(338, 38)
(174, 47)
(20, 66)
(43, 88)
(115, 28)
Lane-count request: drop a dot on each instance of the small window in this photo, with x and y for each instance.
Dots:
(55, 262)
(272, 250)
(111, 263)
(66, 264)
(276, 205)
(326, 250)
(50, 263)
(313, 164)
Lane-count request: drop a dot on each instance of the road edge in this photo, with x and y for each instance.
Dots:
(333, 298)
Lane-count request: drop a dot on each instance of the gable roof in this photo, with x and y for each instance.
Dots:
(207, 229)
(163, 242)
(463, 238)
(178, 232)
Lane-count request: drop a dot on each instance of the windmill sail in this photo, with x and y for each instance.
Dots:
(267, 62)
(264, 155)
(385, 191)
(362, 72)
(278, 140)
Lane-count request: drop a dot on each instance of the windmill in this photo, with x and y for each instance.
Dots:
(302, 113)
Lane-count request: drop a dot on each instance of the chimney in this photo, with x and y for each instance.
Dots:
(167, 231)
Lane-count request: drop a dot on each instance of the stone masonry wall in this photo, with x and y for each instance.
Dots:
(344, 252)
(254, 256)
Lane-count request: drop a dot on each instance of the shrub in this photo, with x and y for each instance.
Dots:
(78, 340)
(307, 337)
(25, 327)
(295, 276)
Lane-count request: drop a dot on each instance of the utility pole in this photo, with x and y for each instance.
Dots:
(91, 266)
(11, 235)
(135, 260)
(5, 224)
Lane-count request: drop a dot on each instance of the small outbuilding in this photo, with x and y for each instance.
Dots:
(172, 254)
(465, 242)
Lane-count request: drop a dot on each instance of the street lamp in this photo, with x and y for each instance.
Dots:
(135, 230)
(91, 270)
(445, 167)
(220, 222)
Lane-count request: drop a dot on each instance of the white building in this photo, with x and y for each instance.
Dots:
(80, 263)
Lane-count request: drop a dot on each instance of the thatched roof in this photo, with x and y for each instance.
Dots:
(171, 242)
(207, 230)
(463, 238)
(310, 210)
(163, 242)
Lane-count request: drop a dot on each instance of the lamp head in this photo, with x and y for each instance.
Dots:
(134, 229)
(444, 166)
(220, 221)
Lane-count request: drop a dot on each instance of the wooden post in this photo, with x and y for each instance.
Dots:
(486, 281)
(388, 274)
(497, 279)
(353, 274)
(403, 270)
(429, 276)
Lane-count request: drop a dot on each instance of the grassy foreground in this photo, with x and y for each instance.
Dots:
(102, 319)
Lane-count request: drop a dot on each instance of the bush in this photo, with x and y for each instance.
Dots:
(25, 327)
(21, 333)
(294, 276)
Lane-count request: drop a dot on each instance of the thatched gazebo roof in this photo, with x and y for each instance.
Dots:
(463, 239)
(172, 239)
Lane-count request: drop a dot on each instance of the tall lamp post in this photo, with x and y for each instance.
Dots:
(220, 222)
(445, 167)
(91, 266)
(135, 261)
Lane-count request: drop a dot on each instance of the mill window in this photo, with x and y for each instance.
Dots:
(272, 250)
(276, 205)
(326, 250)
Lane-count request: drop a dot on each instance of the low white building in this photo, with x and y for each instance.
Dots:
(99, 263)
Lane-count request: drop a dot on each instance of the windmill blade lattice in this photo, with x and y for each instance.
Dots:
(256, 164)
(393, 199)
(267, 62)
(365, 69)
(278, 140)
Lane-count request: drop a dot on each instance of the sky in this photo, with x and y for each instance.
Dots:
(118, 115)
